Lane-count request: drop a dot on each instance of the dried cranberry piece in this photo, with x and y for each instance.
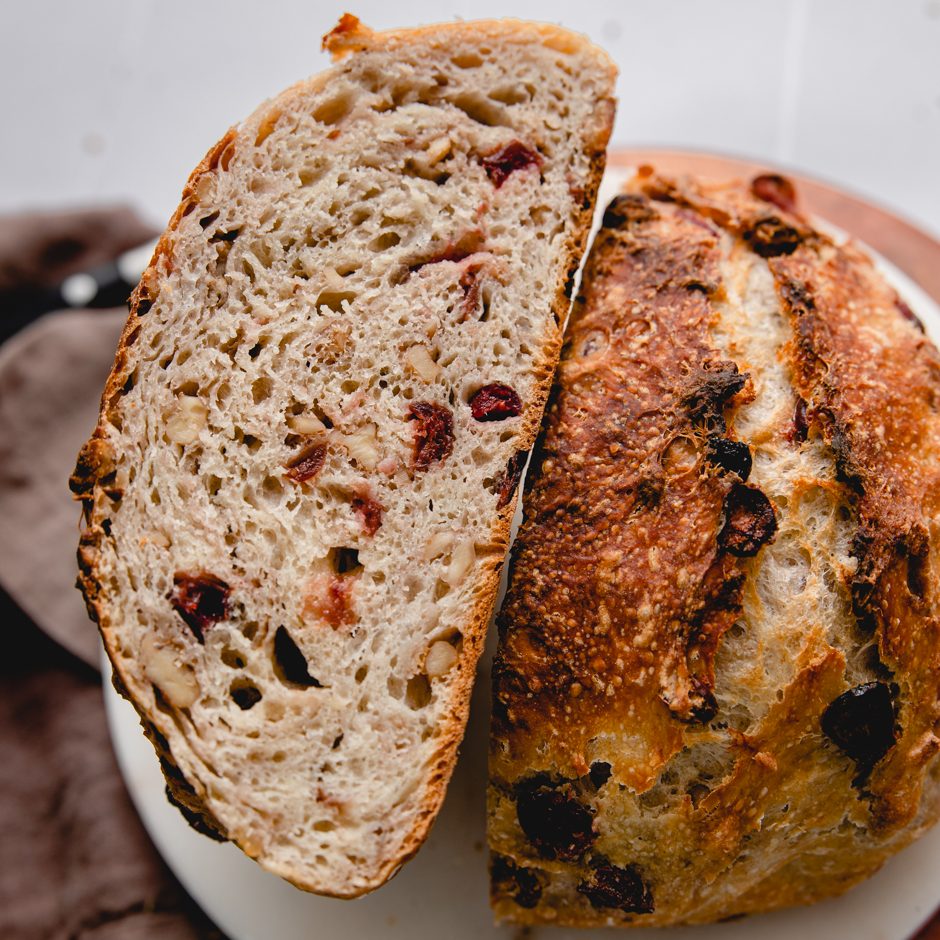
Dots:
(621, 888)
(733, 456)
(291, 664)
(433, 434)
(771, 237)
(506, 160)
(861, 723)
(368, 509)
(495, 402)
(554, 820)
(522, 884)
(775, 189)
(200, 599)
(750, 521)
(307, 464)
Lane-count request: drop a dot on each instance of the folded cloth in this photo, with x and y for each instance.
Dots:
(75, 859)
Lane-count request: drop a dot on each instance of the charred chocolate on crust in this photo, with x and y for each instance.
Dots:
(668, 499)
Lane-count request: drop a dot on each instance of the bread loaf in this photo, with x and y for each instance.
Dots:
(298, 496)
(716, 688)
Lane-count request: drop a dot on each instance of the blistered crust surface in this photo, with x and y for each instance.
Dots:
(715, 691)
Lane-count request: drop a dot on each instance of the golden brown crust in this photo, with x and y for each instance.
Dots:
(91, 479)
(624, 582)
(622, 520)
(873, 388)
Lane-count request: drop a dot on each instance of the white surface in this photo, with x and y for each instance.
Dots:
(443, 892)
(117, 100)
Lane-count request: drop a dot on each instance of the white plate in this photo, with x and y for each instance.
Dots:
(443, 892)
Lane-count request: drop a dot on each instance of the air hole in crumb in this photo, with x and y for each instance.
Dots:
(479, 109)
(290, 664)
(337, 741)
(384, 241)
(467, 60)
(232, 659)
(244, 694)
(255, 351)
(441, 589)
(333, 299)
(333, 110)
(324, 825)
(344, 560)
(510, 94)
(418, 692)
(361, 674)
(261, 390)
(250, 629)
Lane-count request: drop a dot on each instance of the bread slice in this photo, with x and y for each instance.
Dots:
(715, 691)
(298, 497)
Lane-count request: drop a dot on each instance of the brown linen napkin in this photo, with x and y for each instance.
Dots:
(51, 375)
(75, 861)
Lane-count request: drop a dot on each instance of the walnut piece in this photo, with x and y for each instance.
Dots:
(361, 445)
(421, 363)
(306, 424)
(440, 659)
(187, 420)
(461, 561)
(175, 680)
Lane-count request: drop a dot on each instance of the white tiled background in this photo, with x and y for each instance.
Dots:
(109, 100)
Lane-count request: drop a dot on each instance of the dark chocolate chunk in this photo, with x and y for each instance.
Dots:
(620, 888)
(554, 820)
(733, 456)
(861, 723)
(750, 521)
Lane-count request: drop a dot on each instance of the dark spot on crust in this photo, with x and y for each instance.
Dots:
(600, 773)
(733, 456)
(771, 237)
(775, 189)
(307, 464)
(509, 481)
(290, 664)
(799, 429)
(917, 572)
(521, 884)
(628, 208)
(704, 705)
(861, 723)
(495, 402)
(500, 164)
(908, 314)
(433, 433)
(750, 521)
(201, 599)
(554, 820)
(620, 888)
(710, 389)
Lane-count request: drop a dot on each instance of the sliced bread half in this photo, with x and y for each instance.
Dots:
(298, 496)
